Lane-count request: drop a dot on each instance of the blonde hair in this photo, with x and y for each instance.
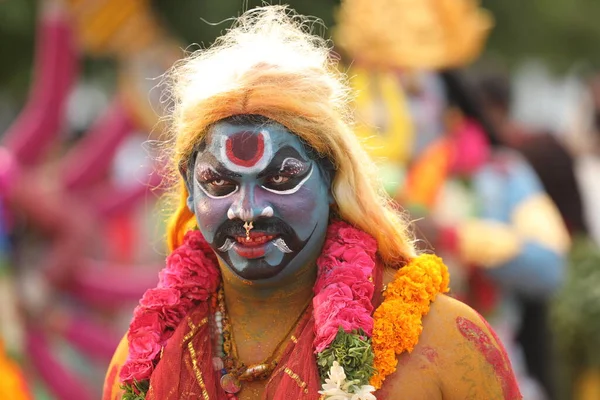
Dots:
(269, 64)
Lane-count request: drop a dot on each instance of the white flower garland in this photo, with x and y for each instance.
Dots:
(336, 387)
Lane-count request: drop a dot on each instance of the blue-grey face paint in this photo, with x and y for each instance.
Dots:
(260, 199)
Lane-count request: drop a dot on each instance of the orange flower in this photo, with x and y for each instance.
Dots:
(398, 320)
(12, 384)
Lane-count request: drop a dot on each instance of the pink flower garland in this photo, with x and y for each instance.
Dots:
(343, 293)
(189, 278)
(344, 287)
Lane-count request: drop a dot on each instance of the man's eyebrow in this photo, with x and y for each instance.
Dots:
(277, 161)
(209, 160)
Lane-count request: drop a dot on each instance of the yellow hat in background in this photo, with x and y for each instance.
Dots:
(412, 34)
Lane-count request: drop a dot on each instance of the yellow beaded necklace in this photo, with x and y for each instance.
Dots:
(234, 371)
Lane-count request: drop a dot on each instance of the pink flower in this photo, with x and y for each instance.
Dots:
(343, 291)
(335, 249)
(354, 278)
(359, 258)
(159, 299)
(144, 334)
(325, 335)
(194, 238)
(189, 264)
(354, 236)
(334, 227)
(144, 344)
(335, 307)
(356, 317)
(146, 320)
(197, 293)
(333, 292)
(363, 290)
(174, 315)
(167, 302)
(346, 274)
(195, 241)
(328, 303)
(327, 261)
(191, 272)
(350, 317)
(326, 265)
(136, 370)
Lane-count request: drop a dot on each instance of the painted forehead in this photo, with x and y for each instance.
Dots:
(250, 148)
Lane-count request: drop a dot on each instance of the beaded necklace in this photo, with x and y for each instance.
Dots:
(233, 371)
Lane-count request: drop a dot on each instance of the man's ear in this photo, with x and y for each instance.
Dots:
(187, 180)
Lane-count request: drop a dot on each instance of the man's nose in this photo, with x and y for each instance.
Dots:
(248, 205)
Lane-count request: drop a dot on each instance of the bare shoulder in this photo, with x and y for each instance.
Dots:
(458, 357)
(473, 362)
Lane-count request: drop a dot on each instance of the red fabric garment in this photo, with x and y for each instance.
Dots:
(176, 377)
(297, 376)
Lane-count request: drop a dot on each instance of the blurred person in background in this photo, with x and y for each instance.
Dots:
(555, 166)
(551, 159)
(490, 215)
(478, 204)
(567, 165)
(74, 206)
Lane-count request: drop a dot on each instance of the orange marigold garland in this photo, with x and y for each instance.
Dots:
(12, 381)
(398, 320)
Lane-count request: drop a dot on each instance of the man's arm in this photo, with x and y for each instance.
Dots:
(473, 363)
(112, 383)
(519, 237)
(458, 357)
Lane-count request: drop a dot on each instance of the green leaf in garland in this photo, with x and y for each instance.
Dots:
(137, 391)
(353, 352)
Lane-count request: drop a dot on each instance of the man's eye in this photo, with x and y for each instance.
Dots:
(278, 179)
(218, 187)
(219, 182)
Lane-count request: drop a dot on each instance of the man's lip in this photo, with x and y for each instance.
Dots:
(250, 252)
(252, 246)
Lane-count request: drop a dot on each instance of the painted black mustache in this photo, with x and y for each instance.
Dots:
(268, 225)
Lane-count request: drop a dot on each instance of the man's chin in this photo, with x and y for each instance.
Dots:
(249, 262)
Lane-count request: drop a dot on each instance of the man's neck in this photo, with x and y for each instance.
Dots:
(262, 315)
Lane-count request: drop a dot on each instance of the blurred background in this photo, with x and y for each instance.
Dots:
(484, 119)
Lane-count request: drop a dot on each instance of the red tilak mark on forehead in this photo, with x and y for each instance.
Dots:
(245, 148)
(494, 354)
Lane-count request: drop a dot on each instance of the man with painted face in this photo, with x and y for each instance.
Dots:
(260, 198)
(291, 275)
